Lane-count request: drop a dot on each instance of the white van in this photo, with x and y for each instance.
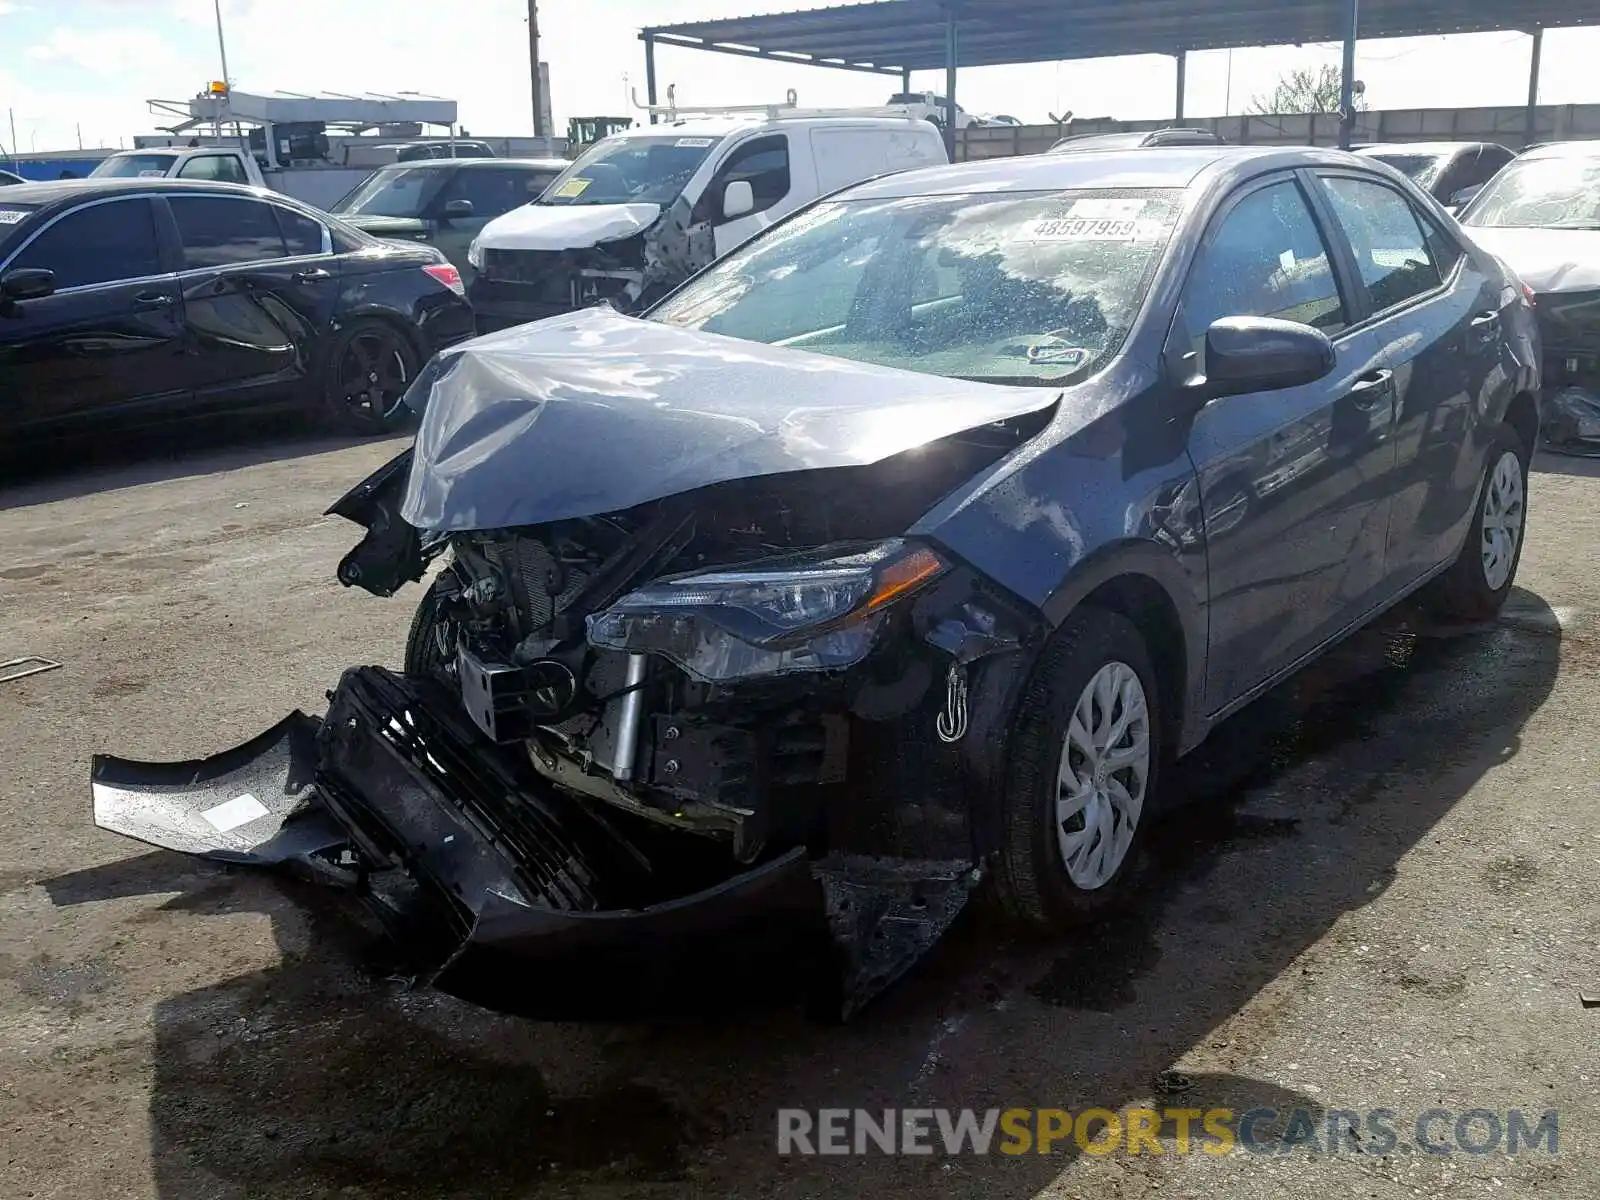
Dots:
(642, 210)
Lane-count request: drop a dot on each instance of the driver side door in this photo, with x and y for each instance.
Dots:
(763, 162)
(1293, 483)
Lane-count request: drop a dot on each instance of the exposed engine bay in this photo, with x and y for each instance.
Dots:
(731, 713)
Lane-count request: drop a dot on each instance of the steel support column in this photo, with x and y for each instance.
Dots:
(1347, 76)
(905, 81)
(650, 73)
(1530, 126)
(950, 51)
(1183, 70)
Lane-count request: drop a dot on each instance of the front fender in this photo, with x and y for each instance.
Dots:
(390, 555)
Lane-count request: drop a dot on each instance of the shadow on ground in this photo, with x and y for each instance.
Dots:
(314, 1079)
(85, 466)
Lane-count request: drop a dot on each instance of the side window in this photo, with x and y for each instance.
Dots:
(301, 234)
(764, 162)
(1266, 259)
(492, 190)
(220, 231)
(1391, 251)
(214, 168)
(102, 243)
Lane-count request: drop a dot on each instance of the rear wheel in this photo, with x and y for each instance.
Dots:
(369, 367)
(1084, 763)
(1478, 582)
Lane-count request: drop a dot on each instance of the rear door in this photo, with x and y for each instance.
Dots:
(260, 286)
(1437, 318)
(108, 345)
(1293, 482)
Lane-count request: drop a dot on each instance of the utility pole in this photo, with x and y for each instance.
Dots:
(222, 51)
(533, 65)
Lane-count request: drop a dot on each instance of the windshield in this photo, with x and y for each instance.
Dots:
(1033, 288)
(393, 193)
(636, 170)
(1421, 169)
(134, 166)
(1541, 193)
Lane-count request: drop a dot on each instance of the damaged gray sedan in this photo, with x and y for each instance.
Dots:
(1541, 215)
(896, 555)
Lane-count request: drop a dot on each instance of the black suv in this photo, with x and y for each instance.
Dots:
(133, 301)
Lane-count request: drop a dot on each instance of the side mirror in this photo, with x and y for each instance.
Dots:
(738, 199)
(457, 209)
(1263, 354)
(27, 283)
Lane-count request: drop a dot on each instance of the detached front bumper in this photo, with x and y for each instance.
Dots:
(511, 894)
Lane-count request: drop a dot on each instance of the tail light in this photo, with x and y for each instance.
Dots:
(446, 274)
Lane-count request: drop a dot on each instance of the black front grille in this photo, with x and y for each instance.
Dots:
(521, 266)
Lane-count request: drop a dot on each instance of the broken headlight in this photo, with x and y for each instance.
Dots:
(816, 612)
(475, 255)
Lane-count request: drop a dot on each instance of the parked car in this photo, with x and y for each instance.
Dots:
(1135, 139)
(930, 106)
(1452, 172)
(7, 179)
(908, 546)
(207, 164)
(136, 301)
(445, 202)
(639, 212)
(1541, 216)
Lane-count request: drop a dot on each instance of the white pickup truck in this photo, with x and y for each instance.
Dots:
(319, 186)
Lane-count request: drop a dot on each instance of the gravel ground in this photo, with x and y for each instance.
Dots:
(1381, 896)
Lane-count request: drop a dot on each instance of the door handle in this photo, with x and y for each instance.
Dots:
(1486, 320)
(1371, 388)
(152, 300)
(312, 275)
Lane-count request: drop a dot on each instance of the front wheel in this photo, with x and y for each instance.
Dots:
(1084, 760)
(430, 643)
(1478, 582)
(369, 366)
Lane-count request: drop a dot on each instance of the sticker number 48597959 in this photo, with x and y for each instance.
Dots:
(1072, 229)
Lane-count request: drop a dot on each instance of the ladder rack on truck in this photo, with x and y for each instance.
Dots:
(787, 109)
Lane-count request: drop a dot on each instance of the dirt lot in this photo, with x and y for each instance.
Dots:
(1383, 896)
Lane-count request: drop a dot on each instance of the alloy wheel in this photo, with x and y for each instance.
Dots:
(1104, 773)
(1503, 510)
(372, 374)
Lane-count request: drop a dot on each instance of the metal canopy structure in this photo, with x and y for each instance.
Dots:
(896, 37)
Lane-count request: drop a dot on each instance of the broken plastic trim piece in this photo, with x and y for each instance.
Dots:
(20, 668)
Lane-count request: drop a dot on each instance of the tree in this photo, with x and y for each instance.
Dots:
(1304, 90)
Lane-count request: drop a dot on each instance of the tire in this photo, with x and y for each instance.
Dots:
(377, 355)
(423, 657)
(1035, 880)
(1478, 582)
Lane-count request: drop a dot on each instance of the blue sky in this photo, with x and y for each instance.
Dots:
(93, 63)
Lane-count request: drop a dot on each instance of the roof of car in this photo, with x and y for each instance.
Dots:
(536, 164)
(1436, 148)
(722, 126)
(1564, 150)
(1144, 167)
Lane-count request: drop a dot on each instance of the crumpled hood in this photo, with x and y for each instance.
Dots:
(1547, 260)
(566, 226)
(593, 412)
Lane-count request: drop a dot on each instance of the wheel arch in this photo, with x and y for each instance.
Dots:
(1522, 414)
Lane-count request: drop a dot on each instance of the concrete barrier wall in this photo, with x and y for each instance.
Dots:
(1506, 125)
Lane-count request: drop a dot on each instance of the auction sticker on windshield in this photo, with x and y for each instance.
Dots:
(572, 189)
(685, 143)
(11, 216)
(1096, 221)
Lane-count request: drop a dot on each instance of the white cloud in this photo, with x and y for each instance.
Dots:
(103, 52)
